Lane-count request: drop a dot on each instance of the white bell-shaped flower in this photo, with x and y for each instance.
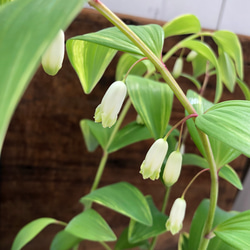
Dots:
(53, 57)
(176, 217)
(178, 66)
(151, 166)
(111, 104)
(172, 168)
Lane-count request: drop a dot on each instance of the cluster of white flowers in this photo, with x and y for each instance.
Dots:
(151, 167)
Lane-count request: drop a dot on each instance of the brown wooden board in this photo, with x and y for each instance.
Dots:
(46, 169)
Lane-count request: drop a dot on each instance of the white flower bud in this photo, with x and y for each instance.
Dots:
(191, 56)
(53, 57)
(151, 166)
(111, 103)
(176, 217)
(172, 169)
(139, 120)
(178, 66)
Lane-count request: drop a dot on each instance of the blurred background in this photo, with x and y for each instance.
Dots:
(213, 14)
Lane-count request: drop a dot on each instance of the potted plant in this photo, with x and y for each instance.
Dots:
(219, 129)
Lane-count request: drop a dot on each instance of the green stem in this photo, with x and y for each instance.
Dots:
(106, 246)
(142, 59)
(164, 205)
(205, 82)
(165, 201)
(119, 122)
(99, 172)
(179, 44)
(213, 192)
(105, 155)
(191, 182)
(178, 124)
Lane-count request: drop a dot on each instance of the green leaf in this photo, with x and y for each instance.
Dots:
(244, 88)
(227, 69)
(199, 64)
(229, 174)
(203, 49)
(89, 225)
(229, 43)
(194, 160)
(129, 134)
(152, 35)
(182, 25)
(226, 172)
(90, 140)
(183, 241)
(153, 102)
(95, 134)
(27, 28)
(139, 232)
(235, 231)
(30, 231)
(123, 198)
(89, 60)
(198, 222)
(5, 1)
(217, 244)
(64, 241)
(228, 122)
(223, 153)
(123, 243)
(124, 64)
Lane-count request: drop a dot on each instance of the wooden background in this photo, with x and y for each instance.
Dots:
(46, 169)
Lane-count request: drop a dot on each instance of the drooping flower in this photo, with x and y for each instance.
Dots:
(53, 57)
(178, 66)
(151, 166)
(172, 168)
(111, 103)
(191, 56)
(176, 217)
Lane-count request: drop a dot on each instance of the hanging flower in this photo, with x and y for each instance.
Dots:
(111, 103)
(151, 166)
(53, 57)
(178, 66)
(191, 56)
(172, 169)
(176, 217)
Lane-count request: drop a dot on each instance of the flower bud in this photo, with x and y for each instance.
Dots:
(151, 166)
(176, 217)
(53, 57)
(139, 120)
(178, 66)
(191, 56)
(172, 169)
(111, 103)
